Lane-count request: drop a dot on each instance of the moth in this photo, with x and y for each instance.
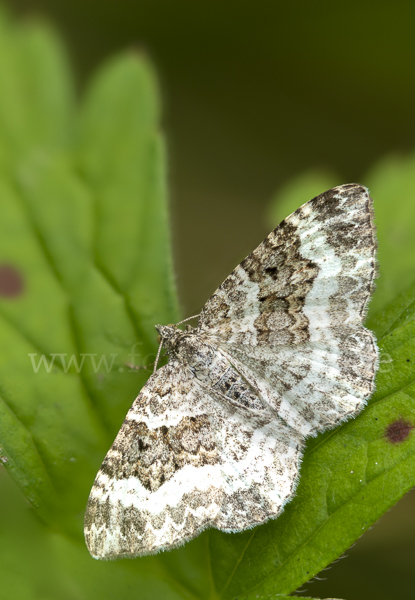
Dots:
(215, 437)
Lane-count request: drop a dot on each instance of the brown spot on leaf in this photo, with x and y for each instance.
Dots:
(398, 431)
(11, 282)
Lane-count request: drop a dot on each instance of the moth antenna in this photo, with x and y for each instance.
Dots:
(157, 357)
(188, 319)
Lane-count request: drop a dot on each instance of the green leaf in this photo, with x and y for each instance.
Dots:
(36, 102)
(90, 245)
(122, 157)
(85, 230)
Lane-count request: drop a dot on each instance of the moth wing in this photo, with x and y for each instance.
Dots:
(185, 460)
(290, 315)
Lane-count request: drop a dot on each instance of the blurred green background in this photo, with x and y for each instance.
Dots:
(254, 95)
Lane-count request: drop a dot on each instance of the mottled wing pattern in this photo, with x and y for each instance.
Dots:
(280, 352)
(289, 317)
(184, 460)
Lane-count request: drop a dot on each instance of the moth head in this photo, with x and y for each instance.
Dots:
(165, 332)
